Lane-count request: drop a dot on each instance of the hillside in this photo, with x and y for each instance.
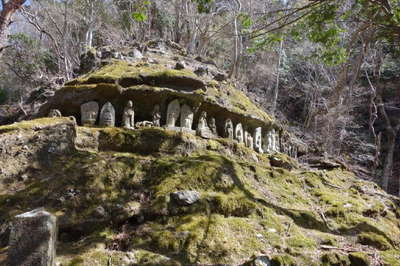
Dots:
(112, 190)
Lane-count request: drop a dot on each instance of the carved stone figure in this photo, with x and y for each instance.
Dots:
(128, 118)
(213, 126)
(249, 142)
(202, 121)
(156, 116)
(33, 239)
(258, 140)
(202, 127)
(265, 143)
(173, 113)
(275, 137)
(239, 133)
(54, 113)
(229, 129)
(245, 136)
(186, 117)
(89, 112)
(107, 115)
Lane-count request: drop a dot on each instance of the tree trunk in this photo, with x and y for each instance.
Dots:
(276, 89)
(387, 170)
(9, 8)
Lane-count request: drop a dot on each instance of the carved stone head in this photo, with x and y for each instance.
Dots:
(107, 115)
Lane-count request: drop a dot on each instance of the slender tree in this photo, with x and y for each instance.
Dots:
(8, 10)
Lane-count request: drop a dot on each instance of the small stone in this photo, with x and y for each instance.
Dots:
(186, 197)
(277, 162)
(100, 212)
(348, 205)
(220, 77)
(262, 261)
(135, 53)
(180, 65)
(201, 71)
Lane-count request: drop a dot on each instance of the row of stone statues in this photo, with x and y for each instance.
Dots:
(206, 126)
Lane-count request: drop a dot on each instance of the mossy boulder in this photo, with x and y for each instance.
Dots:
(150, 84)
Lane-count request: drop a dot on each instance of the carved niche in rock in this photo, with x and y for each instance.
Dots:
(156, 116)
(239, 133)
(229, 129)
(107, 115)
(89, 112)
(128, 118)
(213, 126)
(186, 117)
(173, 113)
(202, 127)
(258, 140)
(54, 113)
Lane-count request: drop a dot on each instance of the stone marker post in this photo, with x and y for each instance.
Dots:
(33, 239)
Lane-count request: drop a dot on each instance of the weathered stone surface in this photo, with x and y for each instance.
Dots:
(89, 112)
(173, 113)
(186, 197)
(186, 117)
(228, 129)
(107, 115)
(55, 113)
(33, 239)
(28, 150)
(156, 115)
(128, 117)
(257, 137)
(239, 133)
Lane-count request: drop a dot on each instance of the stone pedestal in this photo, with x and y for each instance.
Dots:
(33, 239)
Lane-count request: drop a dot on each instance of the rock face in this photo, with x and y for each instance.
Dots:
(27, 148)
(33, 239)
